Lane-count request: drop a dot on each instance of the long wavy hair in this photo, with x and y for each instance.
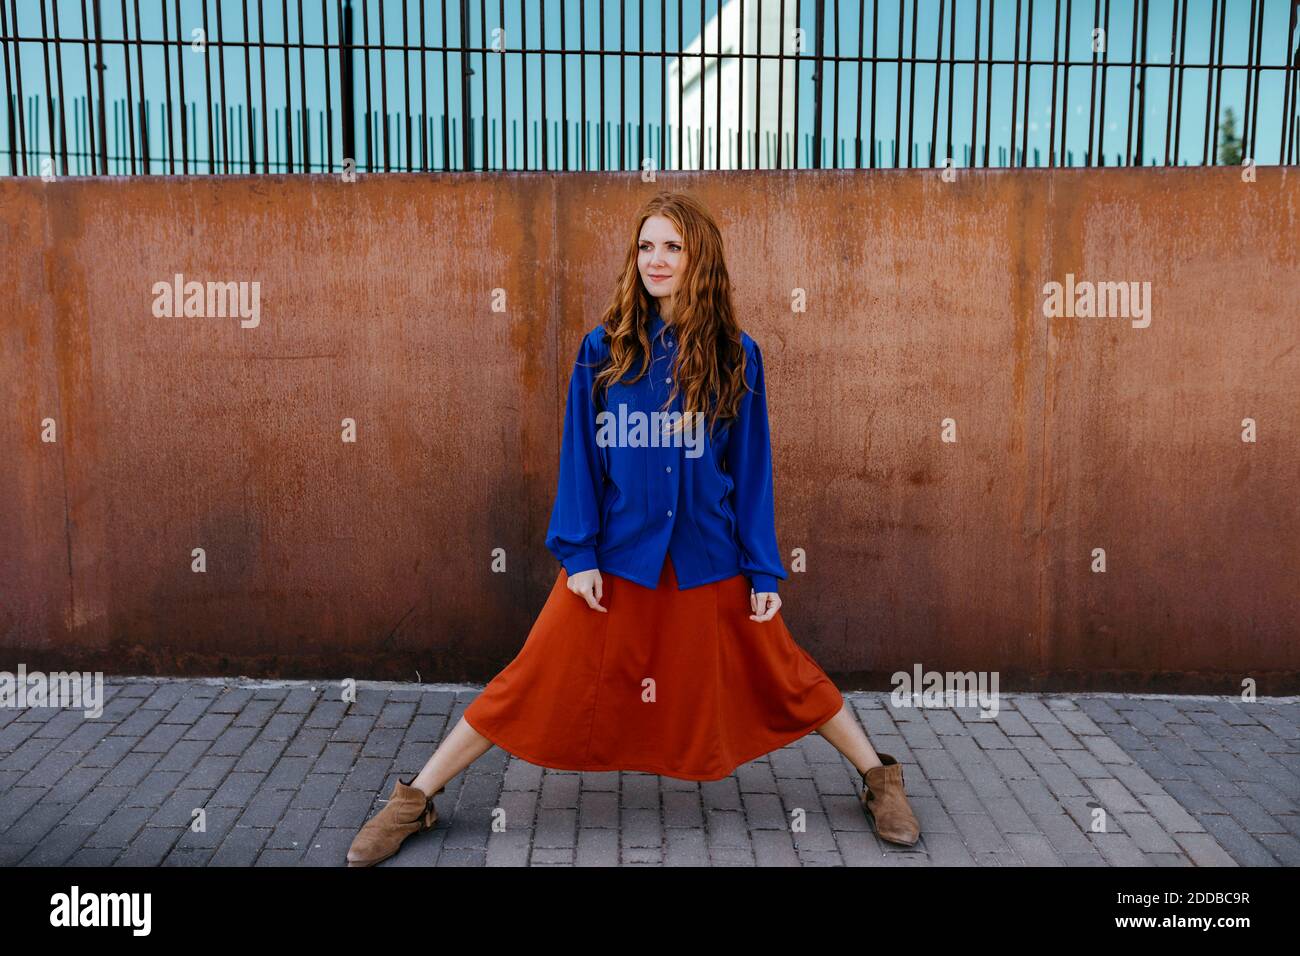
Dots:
(709, 369)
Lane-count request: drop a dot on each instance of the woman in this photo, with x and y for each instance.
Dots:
(661, 647)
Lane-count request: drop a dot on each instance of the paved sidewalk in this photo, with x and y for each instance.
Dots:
(287, 774)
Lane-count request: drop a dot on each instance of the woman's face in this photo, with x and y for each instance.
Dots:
(662, 256)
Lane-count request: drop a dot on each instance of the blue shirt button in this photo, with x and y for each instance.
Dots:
(670, 514)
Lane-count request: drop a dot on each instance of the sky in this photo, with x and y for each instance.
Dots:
(629, 82)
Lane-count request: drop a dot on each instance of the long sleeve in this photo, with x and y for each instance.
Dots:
(749, 460)
(575, 518)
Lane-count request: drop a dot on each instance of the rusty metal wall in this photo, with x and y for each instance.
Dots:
(923, 303)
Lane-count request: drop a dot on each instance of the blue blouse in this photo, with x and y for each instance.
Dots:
(625, 498)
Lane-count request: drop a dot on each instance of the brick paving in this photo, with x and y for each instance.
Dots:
(286, 773)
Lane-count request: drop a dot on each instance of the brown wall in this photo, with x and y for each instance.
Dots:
(923, 303)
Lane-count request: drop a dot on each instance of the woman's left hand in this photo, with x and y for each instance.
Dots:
(764, 604)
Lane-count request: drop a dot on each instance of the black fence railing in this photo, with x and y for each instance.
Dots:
(212, 87)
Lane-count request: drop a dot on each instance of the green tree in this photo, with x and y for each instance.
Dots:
(1230, 148)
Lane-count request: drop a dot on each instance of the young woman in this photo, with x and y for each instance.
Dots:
(661, 648)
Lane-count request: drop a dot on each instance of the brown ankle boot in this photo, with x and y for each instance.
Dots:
(886, 804)
(407, 811)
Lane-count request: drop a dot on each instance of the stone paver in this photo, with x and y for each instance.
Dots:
(269, 773)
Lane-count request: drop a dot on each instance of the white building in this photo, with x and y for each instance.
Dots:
(742, 83)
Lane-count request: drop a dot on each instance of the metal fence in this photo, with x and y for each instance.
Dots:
(209, 87)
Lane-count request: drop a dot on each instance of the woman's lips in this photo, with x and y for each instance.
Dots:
(659, 278)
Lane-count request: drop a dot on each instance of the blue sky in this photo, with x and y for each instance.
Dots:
(633, 81)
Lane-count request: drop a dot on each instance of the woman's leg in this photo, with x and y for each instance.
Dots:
(458, 750)
(846, 735)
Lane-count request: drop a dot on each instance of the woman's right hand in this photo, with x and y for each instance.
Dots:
(588, 586)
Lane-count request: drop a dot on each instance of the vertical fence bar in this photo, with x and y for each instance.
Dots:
(327, 131)
(523, 72)
(911, 84)
(213, 106)
(758, 86)
(700, 155)
(1015, 82)
(817, 81)
(1182, 65)
(975, 85)
(167, 83)
(1105, 73)
(261, 76)
(58, 69)
(49, 95)
(988, 87)
(780, 87)
(383, 90)
(1247, 119)
(1142, 83)
(1065, 85)
(288, 89)
(424, 95)
(1056, 61)
(13, 100)
(248, 86)
(1169, 93)
(1289, 85)
(875, 54)
(467, 127)
(90, 120)
(740, 92)
(1254, 105)
(952, 78)
(717, 88)
(541, 70)
(347, 85)
(483, 79)
(1132, 81)
(126, 63)
(1218, 81)
(798, 59)
(862, 73)
(1209, 81)
(1029, 74)
(406, 82)
(1090, 154)
(302, 85)
(934, 113)
(368, 117)
(180, 77)
(146, 141)
(898, 88)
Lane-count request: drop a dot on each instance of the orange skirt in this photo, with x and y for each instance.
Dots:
(677, 683)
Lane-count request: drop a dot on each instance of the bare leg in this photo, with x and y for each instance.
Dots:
(458, 750)
(464, 745)
(845, 733)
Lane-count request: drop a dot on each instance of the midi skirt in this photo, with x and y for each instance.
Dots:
(677, 683)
